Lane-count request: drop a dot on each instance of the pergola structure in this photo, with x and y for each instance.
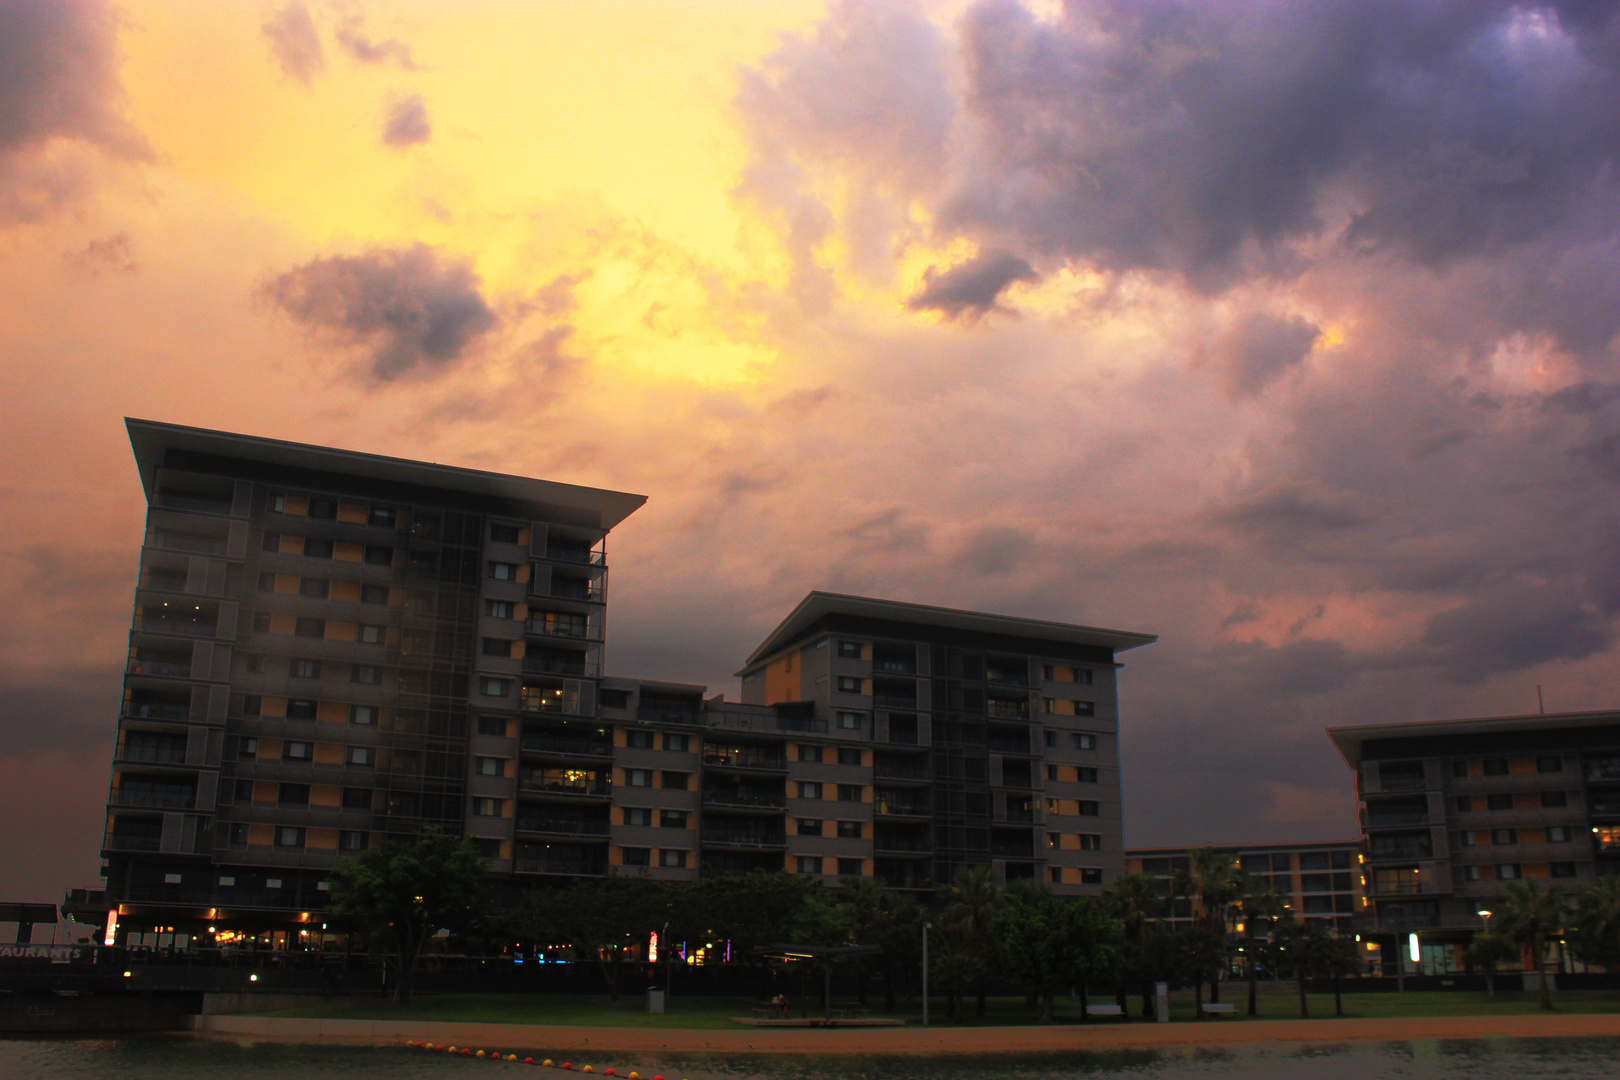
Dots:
(827, 954)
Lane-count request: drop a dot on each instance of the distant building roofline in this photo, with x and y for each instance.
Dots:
(1349, 739)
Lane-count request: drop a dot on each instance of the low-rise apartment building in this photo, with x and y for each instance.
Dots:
(1317, 880)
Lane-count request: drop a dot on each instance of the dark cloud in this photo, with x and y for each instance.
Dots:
(71, 708)
(996, 549)
(409, 309)
(1288, 515)
(1515, 627)
(889, 530)
(352, 41)
(1258, 348)
(971, 287)
(406, 123)
(111, 255)
(295, 44)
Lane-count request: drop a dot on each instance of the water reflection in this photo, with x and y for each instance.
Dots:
(181, 1058)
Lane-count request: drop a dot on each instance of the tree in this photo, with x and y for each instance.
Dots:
(886, 918)
(1338, 956)
(602, 920)
(971, 901)
(1049, 943)
(1261, 910)
(1215, 881)
(1487, 952)
(1532, 913)
(1594, 936)
(1137, 902)
(1304, 945)
(396, 896)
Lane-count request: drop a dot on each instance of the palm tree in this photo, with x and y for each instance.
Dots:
(1306, 945)
(971, 902)
(1531, 914)
(1487, 952)
(1260, 910)
(1138, 902)
(1215, 881)
(1596, 923)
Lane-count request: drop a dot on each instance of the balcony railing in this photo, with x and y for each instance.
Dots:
(899, 772)
(1007, 710)
(204, 545)
(894, 701)
(566, 589)
(1017, 817)
(160, 667)
(152, 800)
(155, 755)
(582, 556)
(1008, 746)
(536, 786)
(1405, 852)
(578, 668)
(1007, 676)
(565, 827)
(763, 799)
(564, 703)
(176, 501)
(149, 711)
(570, 631)
(1402, 783)
(1402, 886)
(901, 738)
(743, 759)
(575, 867)
(175, 626)
(132, 843)
(546, 744)
(164, 580)
(733, 838)
(901, 844)
(901, 807)
(1378, 821)
(656, 714)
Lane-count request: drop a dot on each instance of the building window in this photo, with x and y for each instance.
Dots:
(638, 740)
(356, 798)
(367, 674)
(374, 594)
(615, 699)
(267, 581)
(292, 794)
(499, 609)
(297, 751)
(382, 517)
(849, 868)
(1048, 673)
(272, 883)
(271, 542)
(359, 755)
(492, 725)
(324, 509)
(1055, 872)
(849, 684)
(809, 826)
(810, 753)
(352, 840)
(277, 503)
(288, 836)
(1050, 738)
(494, 687)
(1089, 808)
(675, 741)
(1465, 838)
(849, 830)
(849, 793)
(1553, 800)
(490, 766)
(247, 748)
(304, 669)
(1085, 741)
(1051, 772)
(310, 628)
(1090, 841)
(362, 714)
(809, 864)
(377, 555)
(638, 777)
(261, 622)
(318, 588)
(316, 548)
(301, 708)
(1085, 708)
(849, 755)
(849, 650)
(1086, 774)
(1499, 802)
(673, 858)
(502, 533)
(637, 815)
(1507, 871)
(239, 833)
(1561, 869)
(482, 807)
(1558, 834)
(255, 664)
(1459, 770)
(677, 781)
(503, 571)
(1549, 763)
(1054, 840)
(244, 794)
(498, 647)
(849, 721)
(1084, 676)
(672, 819)
(369, 635)
(636, 856)
(1465, 803)
(809, 789)
(1496, 766)
(1091, 875)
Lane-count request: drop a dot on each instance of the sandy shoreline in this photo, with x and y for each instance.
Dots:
(547, 1041)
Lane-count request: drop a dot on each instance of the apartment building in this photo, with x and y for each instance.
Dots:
(1318, 880)
(331, 648)
(1452, 810)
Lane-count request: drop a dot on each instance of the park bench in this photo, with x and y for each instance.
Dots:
(1104, 1010)
(1218, 1009)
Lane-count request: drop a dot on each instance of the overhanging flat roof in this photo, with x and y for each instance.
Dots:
(817, 606)
(1350, 740)
(153, 442)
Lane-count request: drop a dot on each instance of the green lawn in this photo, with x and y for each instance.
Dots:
(703, 1012)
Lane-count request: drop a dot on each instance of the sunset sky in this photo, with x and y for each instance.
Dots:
(1284, 331)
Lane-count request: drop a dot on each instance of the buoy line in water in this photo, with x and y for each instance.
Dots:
(496, 1055)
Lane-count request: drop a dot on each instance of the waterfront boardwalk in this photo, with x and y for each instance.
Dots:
(549, 1041)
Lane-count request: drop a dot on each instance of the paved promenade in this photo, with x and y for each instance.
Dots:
(547, 1041)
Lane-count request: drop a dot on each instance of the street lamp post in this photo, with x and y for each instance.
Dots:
(926, 927)
(1483, 914)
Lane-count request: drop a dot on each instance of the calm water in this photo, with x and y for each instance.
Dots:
(169, 1058)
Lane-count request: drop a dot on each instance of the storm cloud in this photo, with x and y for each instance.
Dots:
(295, 44)
(408, 310)
(970, 288)
(406, 123)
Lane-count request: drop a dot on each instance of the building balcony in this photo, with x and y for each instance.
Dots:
(752, 800)
(580, 556)
(562, 827)
(907, 773)
(895, 667)
(164, 579)
(737, 838)
(662, 714)
(560, 867)
(153, 800)
(168, 668)
(1007, 710)
(579, 669)
(550, 744)
(1403, 853)
(547, 701)
(901, 808)
(564, 631)
(1383, 821)
(136, 710)
(894, 701)
(189, 542)
(591, 789)
(734, 758)
(177, 627)
(570, 589)
(202, 504)
(151, 755)
(1403, 783)
(115, 842)
(890, 845)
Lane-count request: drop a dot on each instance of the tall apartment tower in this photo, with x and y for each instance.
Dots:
(329, 648)
(974, 739)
